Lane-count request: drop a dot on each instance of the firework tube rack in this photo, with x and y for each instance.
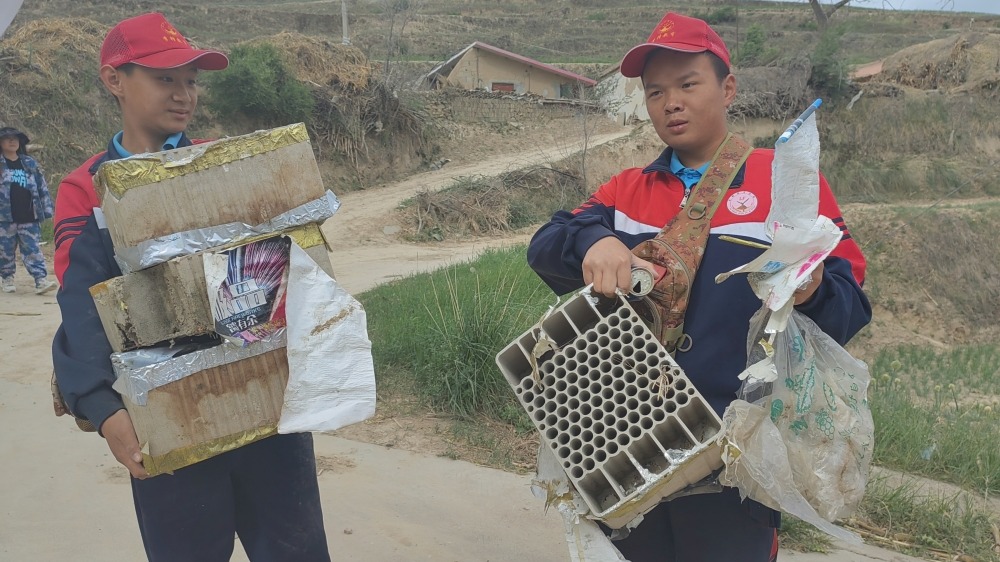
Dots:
(624, 421)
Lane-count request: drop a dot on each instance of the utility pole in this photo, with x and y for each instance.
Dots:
(343, 15)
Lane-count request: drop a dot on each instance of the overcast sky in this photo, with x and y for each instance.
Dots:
(983, 6)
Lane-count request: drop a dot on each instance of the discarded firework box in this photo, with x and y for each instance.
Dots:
(178, 202)
(213, 211)
(194, 400)
(170, 300)
(189, 403)
(626, 424)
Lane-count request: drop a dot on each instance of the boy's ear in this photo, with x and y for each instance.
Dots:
(112, 80)
(729, 89)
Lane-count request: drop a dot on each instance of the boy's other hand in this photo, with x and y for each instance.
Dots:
(608, 266)
(124, 444)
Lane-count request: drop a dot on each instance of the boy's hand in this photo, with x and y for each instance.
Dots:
(608, 265)
(124, 444)
(805, 293)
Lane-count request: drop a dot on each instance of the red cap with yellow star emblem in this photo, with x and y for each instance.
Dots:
(677, 33)
(150, 40)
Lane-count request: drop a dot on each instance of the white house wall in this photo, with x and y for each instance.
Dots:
(480, 69)
(623, 97)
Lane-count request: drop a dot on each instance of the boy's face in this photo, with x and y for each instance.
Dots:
(9, 144)
(687, 103)
(159, 102)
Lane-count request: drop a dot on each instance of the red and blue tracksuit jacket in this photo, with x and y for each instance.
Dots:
(637, 203)
(84, 257)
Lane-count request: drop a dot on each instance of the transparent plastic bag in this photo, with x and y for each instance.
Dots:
(800, 438)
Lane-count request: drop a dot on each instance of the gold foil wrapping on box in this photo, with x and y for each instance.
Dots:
(118, 176)
(168, 462)
(306, 236)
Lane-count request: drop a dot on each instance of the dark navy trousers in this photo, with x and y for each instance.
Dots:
(714, 527)
(266, 493)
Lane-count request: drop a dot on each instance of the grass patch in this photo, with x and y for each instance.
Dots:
(907, 519)
(940, 264)
(795, 534)
(877, 151)
(937, 414)
(494, 444)
(445, 328)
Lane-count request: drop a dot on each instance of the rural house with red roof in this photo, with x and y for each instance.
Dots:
(485, 67)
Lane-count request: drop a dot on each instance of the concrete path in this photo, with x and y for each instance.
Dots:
(63, 497)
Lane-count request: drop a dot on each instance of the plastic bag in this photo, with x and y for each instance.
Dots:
(801, 436)
(331, 374)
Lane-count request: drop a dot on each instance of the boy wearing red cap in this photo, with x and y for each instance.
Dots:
(688, 87)
(265, 492)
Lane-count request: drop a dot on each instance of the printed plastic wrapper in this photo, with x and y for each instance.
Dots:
(790, 261)
(801, 436)
(331, 381)
(246, 289)
(800, 237)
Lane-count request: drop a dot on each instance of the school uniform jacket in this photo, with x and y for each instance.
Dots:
(637, 203)
(84, 256)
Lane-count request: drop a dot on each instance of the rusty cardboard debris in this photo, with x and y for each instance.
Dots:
(209, 412)
(247, 179)
(169, 300)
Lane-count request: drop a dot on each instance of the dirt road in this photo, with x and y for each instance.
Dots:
(63, 496)
(362, 235)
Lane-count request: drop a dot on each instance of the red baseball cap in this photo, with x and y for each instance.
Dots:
(677, 33)
(150, 40)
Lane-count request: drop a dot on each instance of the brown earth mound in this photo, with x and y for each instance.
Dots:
(322, 62)
(39, 44)
(966, 61)
(772, 92)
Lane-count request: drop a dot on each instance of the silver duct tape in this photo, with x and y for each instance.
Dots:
(140, 371)
(164, 248)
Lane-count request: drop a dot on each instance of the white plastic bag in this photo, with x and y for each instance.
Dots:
(331, 380)
(800, 438)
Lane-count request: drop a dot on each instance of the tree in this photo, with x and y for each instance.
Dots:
(823, 14)
(398, 13)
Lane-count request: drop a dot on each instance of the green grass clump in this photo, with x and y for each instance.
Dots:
(907, 515)
(936, 414)
(445, 328)
(795, 534)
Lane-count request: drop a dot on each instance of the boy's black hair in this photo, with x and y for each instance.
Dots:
(718, 65)
(127, 70)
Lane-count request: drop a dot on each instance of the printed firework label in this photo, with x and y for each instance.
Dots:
(246, 288)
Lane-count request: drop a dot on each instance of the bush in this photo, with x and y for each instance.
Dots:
(259, 86)
(754, 47)
(724, 14)
(828, 70)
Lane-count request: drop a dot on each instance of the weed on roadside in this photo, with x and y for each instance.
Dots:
(936, 414)
(795, 534)
(942, 527)
(445, 328)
